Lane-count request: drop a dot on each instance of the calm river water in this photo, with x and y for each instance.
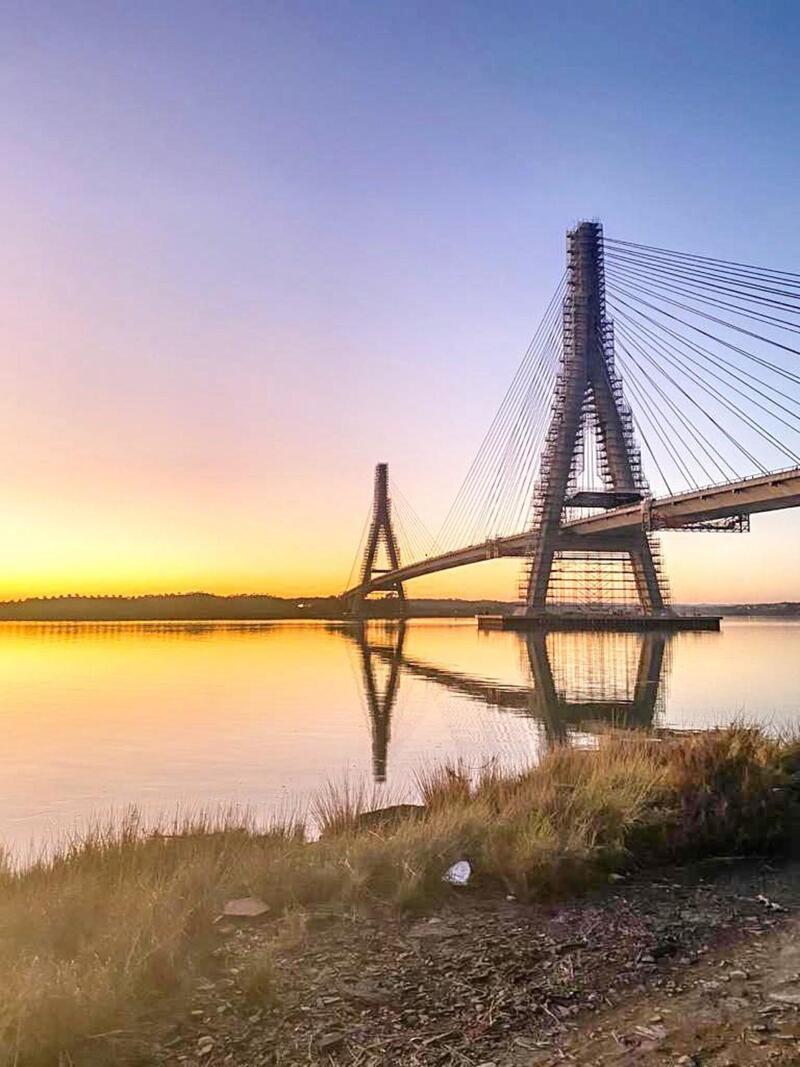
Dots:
(182, 716)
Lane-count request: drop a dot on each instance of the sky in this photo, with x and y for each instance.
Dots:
(251, 249)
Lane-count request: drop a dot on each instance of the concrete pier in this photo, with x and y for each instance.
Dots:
(601, 621)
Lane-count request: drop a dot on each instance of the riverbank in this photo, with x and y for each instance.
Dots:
(103, 944)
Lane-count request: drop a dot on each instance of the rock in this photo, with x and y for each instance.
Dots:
(787, 996)
(432, 929)
(385, 818)
(366, 993)
(204, 1045)
(245, 908)
(770, 905)
(328, 1042)
(651, 1033)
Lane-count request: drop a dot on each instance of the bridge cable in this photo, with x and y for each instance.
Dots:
(714, 456)
(488, 448)
(738, 373)
(725, 403)
(668, 440)
(698, 379)
(537, 390)
(640, 278)
(481, 474)
(705, 278)
(707, 259)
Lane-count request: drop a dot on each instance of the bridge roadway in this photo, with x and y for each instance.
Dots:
(767, 492)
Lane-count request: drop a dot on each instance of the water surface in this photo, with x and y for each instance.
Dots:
(166, 716)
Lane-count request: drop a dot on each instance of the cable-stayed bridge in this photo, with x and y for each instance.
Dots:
(661, 391)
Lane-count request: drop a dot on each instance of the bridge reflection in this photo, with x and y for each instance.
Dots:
(576, 681)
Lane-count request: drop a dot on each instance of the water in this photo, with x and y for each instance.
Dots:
(176, 716)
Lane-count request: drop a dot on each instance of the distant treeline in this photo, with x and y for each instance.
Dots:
(191, 606)
(786, 608)
(195, 606)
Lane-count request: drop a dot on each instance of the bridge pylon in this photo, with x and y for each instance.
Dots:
(617, 571)
(381, 534)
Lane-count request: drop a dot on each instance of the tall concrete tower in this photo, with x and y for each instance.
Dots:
(564, 570)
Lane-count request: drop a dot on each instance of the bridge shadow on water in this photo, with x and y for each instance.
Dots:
(576, 681)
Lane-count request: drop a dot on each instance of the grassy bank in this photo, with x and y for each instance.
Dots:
(115, 927)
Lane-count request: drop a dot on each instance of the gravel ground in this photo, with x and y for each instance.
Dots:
(668, 968)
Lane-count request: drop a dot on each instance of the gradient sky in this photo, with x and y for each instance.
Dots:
(250, 249)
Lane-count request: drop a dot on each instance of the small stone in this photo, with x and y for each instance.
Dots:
(432, 928)
(366, 992)
(205, 1045)
(330, 1041)
(737, 974)
(245, 908)
(787, 996)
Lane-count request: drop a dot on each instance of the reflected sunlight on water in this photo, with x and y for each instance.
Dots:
(166, 716)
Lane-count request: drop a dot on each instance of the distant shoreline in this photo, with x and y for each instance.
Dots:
(208, 607)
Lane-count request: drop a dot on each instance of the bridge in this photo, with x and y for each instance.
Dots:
(646, 358)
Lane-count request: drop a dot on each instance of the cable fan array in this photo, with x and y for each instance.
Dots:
(708, 351)
(495, 497)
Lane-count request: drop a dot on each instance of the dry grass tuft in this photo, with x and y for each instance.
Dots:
(444, 785)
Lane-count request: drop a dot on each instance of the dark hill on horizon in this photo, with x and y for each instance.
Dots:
(209, 606)
(254, 606)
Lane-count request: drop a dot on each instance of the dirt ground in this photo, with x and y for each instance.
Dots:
(696, 966)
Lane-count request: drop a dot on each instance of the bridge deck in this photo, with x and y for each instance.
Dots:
(770, 492)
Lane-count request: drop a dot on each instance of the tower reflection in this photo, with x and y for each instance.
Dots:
(580, 679)
(575, 680)
(380, 692)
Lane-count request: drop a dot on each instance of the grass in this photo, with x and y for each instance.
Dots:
(113, 928)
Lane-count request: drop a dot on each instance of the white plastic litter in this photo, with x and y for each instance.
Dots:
(459, 873)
